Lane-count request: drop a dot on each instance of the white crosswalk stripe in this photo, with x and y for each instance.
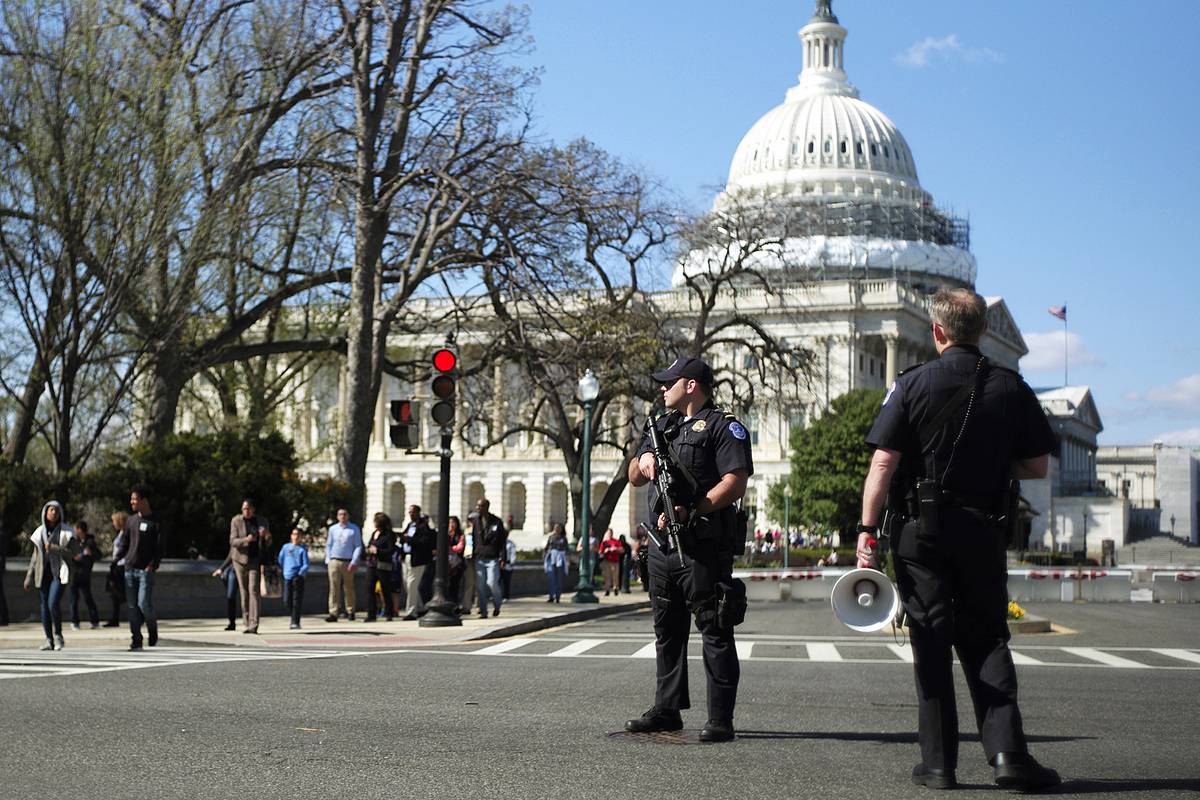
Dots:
(1108, 659)
(33, 664)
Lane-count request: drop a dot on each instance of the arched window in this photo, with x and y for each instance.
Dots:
(810, 146)
(828, 145)
(873, 151)
(887, 152)
(858, 148)
(843, 147)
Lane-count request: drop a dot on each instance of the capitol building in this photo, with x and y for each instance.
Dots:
(866, 247)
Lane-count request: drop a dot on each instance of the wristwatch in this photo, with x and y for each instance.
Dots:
(869, 529)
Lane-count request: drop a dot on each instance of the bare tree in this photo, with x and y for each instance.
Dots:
(436, 116)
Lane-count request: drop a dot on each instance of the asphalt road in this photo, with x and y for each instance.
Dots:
(1111, 704)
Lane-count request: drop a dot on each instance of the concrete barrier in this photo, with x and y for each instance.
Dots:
(185, 589)
(1067, 585)
(1176, 586)
(792, 584)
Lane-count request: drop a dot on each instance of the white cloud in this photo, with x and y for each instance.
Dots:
(947, 48)
(1179, 399)
(1188, 437)
(1046, 352)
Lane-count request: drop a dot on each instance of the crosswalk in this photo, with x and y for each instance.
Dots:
(872, 651)
(36, 664)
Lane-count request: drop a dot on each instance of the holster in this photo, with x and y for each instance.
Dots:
(731, 604)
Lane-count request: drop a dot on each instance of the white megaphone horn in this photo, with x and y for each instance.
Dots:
(865, 600)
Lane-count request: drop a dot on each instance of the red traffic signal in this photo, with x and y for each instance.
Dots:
(402, 412)
(443, 385)
(403, 431)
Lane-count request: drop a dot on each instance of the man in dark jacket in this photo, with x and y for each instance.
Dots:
(143, 554)
(84, 553)
(419, 541)
(489, 535)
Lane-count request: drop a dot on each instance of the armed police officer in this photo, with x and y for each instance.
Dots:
(951, 439)
(691, 572)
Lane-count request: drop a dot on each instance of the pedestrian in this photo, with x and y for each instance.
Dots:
(381, 546)
(626, 563)
(554, 561)
(610, 560)
(455, 563)
(468, 595)
(84, 553)
(143, 556)
(50, 570)
(713, 448)
(506, 567)
(419, 543)
(343, 549)
(950, 440)
(641, 554)
(229, 580)
(489, 535)
(250, 540)
(293, 561)
(114, 583)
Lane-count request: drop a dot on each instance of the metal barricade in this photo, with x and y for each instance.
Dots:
(1176, 586)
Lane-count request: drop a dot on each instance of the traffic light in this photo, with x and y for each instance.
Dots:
(443, 385)
(404, 428)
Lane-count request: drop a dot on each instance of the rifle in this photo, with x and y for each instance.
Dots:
(666, 481)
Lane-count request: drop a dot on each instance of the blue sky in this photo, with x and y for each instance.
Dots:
(1065, 130)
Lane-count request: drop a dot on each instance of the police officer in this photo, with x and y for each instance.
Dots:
(714, 448)
(951, 436)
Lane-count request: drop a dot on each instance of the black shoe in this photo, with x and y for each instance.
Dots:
(369, 619)
(1021, 772)
(352, 616)
(656, 719)
(135, 647)
(231, 627)
(933, 778)
(483, 615)
(152, 639)
(409, 617)
(331, 618)
(496, 612)
(112, 623)
(549, 599)
(607, 592)
(250, 630)
(717, 730)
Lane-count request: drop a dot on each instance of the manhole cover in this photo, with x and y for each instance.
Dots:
(659, 737)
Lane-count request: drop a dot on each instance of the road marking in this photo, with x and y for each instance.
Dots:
(903, 653)
(1183, 655)
(1021, 659)
(744, 649)
(823, 651)
(502, 647)
(648, 651)
(1108, 659)
(576, 648)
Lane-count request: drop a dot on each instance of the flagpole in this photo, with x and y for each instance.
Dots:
(1065, 348)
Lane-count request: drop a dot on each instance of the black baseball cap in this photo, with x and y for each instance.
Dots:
(686, 367)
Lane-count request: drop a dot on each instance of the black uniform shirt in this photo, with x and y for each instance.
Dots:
(708, 445)
(1006, 423)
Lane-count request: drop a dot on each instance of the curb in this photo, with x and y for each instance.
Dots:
(582, 615)
(1030, 624)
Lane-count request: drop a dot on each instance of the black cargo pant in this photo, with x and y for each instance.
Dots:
(677, 589)
(954, 587)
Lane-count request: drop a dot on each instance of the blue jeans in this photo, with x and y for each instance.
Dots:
(556, 572)
(51, 607)
(139, 589)
(487, 583)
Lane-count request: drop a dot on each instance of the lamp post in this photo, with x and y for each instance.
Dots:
(587, 390)
(787, 531)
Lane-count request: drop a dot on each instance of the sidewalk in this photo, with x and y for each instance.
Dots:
(518, 616)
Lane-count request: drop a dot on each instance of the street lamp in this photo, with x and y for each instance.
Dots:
(787, 533)
(587, 390)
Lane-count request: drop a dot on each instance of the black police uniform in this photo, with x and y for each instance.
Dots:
(954, 583)
(708, 445)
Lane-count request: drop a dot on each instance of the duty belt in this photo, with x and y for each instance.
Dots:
(988, 503)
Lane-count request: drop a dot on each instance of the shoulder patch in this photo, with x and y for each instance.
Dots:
(737, 430)
(891, 390)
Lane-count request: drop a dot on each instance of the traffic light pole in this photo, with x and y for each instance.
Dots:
(442, 610)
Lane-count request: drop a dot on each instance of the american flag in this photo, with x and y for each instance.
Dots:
(1058, 311)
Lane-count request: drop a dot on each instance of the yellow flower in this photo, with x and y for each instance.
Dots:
(1014, 610)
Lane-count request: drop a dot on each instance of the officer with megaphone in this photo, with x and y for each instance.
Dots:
(951, 440)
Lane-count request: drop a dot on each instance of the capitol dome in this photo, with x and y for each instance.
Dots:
(824, 140)
(847, 179)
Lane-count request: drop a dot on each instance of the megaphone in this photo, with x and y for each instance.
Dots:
(865, 600)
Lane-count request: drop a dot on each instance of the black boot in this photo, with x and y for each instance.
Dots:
(717, 730)
(933, 778)
(656, 719)
(1021, 772)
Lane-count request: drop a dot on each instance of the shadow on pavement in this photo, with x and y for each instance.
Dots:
(896, 738)
(1105, 786)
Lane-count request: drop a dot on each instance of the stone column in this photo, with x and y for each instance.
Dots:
(890, 368)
